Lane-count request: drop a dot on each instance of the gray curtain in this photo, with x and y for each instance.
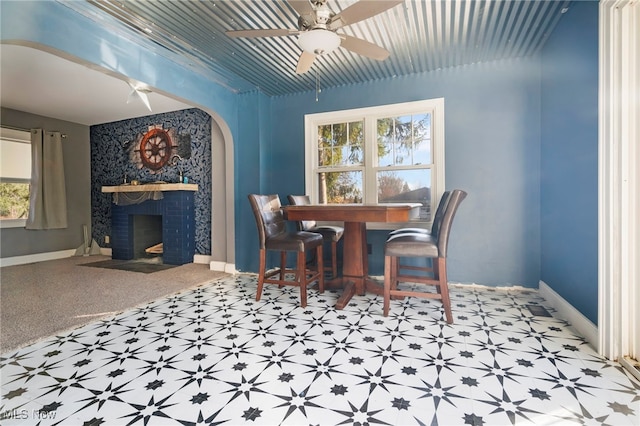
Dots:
(48, 196)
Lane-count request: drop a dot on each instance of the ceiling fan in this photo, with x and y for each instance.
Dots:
(139, 92)
(317, 26)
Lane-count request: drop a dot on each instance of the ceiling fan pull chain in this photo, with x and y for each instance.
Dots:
(318, 90)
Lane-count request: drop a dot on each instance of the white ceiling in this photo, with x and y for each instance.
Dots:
(42, 83)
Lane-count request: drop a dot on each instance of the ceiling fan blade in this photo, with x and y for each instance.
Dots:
(305, 10)
(139, 94)
(145, 100)
(133, 94)
(360, 11)
(261, 33)
(363, 47)
(304, 62)
(302, 7)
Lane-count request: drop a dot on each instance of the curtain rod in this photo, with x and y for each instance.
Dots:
(64, 135)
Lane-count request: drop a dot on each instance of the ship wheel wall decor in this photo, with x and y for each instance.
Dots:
(155, 148)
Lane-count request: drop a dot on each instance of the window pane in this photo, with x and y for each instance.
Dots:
(15, 173)
(356, 143)
(340, 187)
(340, 144)
(406, 186)
(422, 152)
(385, 142)
(15, 159)
(404, 140)
(385, 154)
(339, 136)
(403, 130)
(324, 145)
(422, 139)
(404, 153)
(14, 200)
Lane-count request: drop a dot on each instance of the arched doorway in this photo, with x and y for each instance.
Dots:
(222, 256)
(222, 197)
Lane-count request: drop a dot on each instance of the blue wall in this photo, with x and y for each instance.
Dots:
(492, 120)
(252, 171)
(569, 166)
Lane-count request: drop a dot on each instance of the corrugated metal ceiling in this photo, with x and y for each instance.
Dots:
(421, 36)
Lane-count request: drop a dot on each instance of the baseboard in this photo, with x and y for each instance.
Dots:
(566, 311)
(105, 251)
(632, 366)
(229, 268)
(38, 257)
(201, 259)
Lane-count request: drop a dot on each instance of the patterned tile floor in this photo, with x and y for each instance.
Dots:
(213, 355)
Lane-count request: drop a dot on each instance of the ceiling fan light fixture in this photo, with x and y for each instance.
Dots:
(319, 41)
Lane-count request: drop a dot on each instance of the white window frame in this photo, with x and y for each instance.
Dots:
(369, 115)
(20, 136)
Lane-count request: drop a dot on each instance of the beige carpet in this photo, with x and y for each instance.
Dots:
(43, 299)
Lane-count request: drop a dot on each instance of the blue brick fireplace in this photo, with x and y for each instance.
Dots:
(178, 227)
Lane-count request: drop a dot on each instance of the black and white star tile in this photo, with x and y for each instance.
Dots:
(213, 355)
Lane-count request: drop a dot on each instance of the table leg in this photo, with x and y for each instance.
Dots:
(348, 290)
(355, 262)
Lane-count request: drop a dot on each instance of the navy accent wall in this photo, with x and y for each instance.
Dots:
(569, 166)
(110, 163)
(492, 120)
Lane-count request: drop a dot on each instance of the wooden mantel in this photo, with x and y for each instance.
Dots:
(152, 187)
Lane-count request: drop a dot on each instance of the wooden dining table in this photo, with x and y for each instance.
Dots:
(355, 263)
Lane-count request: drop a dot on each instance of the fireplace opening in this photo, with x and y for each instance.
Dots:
(147, 237)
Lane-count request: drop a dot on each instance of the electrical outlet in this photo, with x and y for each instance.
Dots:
(107, 239)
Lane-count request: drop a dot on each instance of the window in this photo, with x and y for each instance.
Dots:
(385, 154)
(15, 176)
